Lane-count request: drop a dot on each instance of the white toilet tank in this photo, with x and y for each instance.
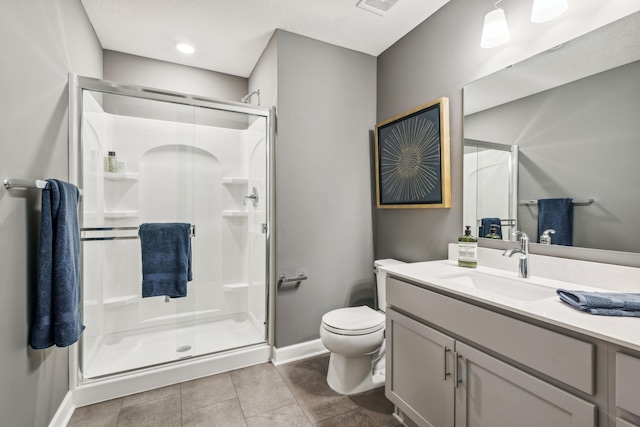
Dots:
(380, 280)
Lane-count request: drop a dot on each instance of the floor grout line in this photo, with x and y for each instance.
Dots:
(292, 392)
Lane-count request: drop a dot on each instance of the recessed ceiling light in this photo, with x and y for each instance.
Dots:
(185, 48)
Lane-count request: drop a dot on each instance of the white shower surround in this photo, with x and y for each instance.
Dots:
(486, 192)
(175, 172)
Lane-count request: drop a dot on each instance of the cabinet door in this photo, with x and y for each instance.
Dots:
(628, 383)
(492, 393)
(420, 371)
(622, 423)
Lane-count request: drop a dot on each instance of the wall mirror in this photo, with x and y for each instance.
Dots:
(574, 113)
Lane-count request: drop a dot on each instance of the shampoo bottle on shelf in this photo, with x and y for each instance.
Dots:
(467, 249)
(112, 162)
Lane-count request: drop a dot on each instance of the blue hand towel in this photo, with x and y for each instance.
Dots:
(486, 224)
(602, 303)
(556, 214)
(57, 312)
(166, 259)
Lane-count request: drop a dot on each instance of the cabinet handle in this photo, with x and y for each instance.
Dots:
(456, 370)
(446, 374)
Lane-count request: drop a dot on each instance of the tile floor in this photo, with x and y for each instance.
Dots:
(292, 395)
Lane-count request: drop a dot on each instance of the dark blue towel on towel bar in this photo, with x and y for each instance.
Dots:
(57, 317)
(166, 259)
(602, 303)
(485, 226)
(556, 214)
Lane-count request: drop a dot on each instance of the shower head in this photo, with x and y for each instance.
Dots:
(247, 98)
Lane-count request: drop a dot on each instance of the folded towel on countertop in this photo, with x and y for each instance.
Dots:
(57, 318)
(556, 214)
(602, 303)
(166, 259)
(613, 312)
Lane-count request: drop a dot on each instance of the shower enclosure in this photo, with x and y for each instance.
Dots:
(178, 158)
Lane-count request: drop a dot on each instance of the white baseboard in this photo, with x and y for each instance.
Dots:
(64, 412)
(298, 352)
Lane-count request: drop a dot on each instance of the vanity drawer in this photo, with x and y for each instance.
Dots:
(628, 383)
(564, 358)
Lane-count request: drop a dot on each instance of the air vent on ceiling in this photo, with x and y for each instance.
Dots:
(379, 7)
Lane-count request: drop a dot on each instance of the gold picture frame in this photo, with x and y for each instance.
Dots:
(412, 158)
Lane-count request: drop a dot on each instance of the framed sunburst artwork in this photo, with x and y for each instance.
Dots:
(412, 158)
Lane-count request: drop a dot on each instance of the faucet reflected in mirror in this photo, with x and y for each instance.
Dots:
(523, 251)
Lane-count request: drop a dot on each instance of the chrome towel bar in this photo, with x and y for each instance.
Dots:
(89, 229)
(575, 202)
(26, 183)
(23, 183)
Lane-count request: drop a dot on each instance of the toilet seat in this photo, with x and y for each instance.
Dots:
(353, 321)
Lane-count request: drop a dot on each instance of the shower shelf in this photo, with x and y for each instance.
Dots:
(121, 176)
(236, 286)
(113, 176)
(120, 301)
(231, 180)
(121, 214)
(234, 213)
(91, 216)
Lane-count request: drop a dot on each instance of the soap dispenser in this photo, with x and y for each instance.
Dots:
(545, 238)
(467, 249)
(493, 232)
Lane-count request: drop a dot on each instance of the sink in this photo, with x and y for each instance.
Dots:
(516, 289)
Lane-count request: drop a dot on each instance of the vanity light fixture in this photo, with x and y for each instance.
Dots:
(185, 48)
(495, 30)
(546, 10)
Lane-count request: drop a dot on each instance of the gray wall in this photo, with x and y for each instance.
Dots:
(41, 41)
(136, 70)
(437, 59)
(131, 69)
(326, 110)
(265, 75)
(578, 140)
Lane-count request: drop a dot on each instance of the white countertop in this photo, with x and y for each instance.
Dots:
(624, 331)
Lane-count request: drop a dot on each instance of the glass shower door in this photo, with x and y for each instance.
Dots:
(177, 163)
(136, 169)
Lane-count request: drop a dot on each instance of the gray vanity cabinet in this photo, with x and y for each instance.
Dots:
(494, 393)
(627, 389)
(437, 376)
(420, 371)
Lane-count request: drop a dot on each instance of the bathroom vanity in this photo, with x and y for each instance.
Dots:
(481, 347)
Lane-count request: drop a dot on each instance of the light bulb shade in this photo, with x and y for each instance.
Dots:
(185, 48)
(495, 31)
(546, 10)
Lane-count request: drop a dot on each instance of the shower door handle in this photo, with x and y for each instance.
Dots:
(253, 196)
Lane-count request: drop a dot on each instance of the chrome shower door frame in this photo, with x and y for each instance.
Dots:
(77, 84)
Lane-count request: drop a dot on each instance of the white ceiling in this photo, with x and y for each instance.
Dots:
(230, 35)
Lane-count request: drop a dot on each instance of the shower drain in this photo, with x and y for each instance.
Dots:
(183, 348)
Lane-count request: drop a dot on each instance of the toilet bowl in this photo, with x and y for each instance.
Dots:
(355, 338)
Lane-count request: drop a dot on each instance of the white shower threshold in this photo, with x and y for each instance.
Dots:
(172, 373)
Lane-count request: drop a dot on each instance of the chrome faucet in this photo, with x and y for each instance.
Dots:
(523, 250)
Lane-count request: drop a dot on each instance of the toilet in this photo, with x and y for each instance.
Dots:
(355, 338)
